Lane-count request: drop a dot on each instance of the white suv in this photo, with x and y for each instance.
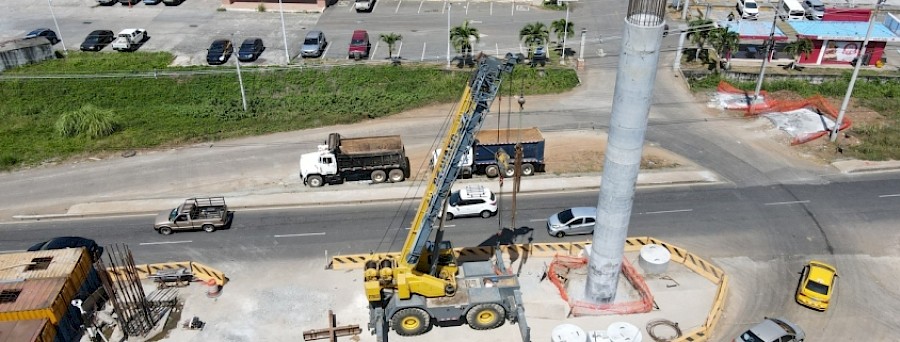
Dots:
(748, 9)
(473, 200)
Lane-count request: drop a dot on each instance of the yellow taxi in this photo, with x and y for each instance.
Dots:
(816, 285)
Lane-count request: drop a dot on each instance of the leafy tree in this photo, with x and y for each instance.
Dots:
(797, 48)
(534, 35)
(698, 32)
(390, 39)
(462, 36)
(724, 41)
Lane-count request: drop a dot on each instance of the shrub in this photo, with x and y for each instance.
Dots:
(89, 120)
(261, 7)
(8, 161)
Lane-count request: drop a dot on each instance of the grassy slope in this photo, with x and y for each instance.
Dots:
(192, 108)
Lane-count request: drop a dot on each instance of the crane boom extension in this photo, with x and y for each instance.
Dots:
(475, 104)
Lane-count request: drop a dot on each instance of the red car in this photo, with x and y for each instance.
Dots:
(359, 45)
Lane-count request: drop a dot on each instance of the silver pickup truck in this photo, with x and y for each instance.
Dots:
(207, 213)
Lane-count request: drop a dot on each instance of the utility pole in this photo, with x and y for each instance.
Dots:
(636, 75)
(769, 45)
(562, 60)
(859, 59)
(681, 38)
(287, 51)
(58, 31)
(449, 6)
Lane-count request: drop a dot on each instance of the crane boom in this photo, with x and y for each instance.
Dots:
(474, 105)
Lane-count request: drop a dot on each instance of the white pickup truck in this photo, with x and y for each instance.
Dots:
(129, 39)
(363, 5)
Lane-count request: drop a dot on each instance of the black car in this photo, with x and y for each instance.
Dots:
(44, 32)
(250, 49)
(97, 40)
(70, 242)
(219, 52)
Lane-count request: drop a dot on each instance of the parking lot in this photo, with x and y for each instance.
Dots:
(187, 30)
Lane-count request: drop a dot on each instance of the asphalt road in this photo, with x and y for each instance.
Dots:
(761, 236)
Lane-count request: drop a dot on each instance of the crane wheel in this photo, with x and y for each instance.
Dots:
(411, 322)
(527, 169)
(492, 171)
(396, 175)
(485, 316)
(378, 176)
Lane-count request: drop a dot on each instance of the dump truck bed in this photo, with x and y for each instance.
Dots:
(509, 136)
(369, 145)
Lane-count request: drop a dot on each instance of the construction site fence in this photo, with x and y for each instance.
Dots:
(768, 104)
(199, 271)
(680, 255)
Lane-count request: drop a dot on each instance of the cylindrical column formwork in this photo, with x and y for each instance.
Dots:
(636, 75)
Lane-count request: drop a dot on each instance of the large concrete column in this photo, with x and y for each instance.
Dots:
(636, 75)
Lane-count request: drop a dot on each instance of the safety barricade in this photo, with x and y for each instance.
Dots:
(199, 271)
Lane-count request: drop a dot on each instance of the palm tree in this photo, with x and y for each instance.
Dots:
(797, 48)
(390, 39)
(698, 32)
(725, 42)
(534, 35)
(462, 37)
(561, 28)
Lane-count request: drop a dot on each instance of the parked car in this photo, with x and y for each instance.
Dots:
(107, 2)
(94, 250)
(473, 200)
(219, 52)
(578, 220)
(97, 40)
(130, 39)
(815, 9)
(364, 5)
(748, 9)
(129, 2)
(359, 45)
(152, 2)
(816, 285)
(539, 57)
(773, 330)
(314, 44)
(44, 32)
(250, 49)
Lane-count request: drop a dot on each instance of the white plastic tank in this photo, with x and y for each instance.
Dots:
(623, 332)
(654, 259)
(568, 333)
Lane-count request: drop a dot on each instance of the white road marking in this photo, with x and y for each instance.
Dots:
(423, 50)
(891, 195)
(789, 202)
(300, 235)
(372, 53)
(467, 8)
(399, 48)
(669, 211)
(163, 243)
(537, 220)
(398, 6)
(492, 10)
(420, 7)
(512, 10)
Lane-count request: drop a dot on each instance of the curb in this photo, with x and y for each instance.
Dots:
(647, 179)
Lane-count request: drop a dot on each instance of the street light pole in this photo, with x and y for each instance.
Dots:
(287, 53)
(449, 6)
(58, 31)
(769, 44)
(237, 64)
(859, 59)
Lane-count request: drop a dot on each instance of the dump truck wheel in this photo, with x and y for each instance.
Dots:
(165, 231)
(209, 228)
(485, 316)
(411, 322)
(378, 176)
(492, 171)
(527, 169)
(314, 181)
(396, 175)
(510, 172)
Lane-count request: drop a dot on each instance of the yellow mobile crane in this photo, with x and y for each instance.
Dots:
(423, 286)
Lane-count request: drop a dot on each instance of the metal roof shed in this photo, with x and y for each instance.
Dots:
(838, 42)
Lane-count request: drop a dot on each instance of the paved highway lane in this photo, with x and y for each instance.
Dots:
(761, 236)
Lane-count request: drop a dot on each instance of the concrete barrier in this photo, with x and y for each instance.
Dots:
(198, 270)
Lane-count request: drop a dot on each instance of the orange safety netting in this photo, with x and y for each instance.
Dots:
(562, 265)
(815, 103)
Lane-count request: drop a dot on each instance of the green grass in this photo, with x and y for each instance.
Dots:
(165, 111)
(879, 142)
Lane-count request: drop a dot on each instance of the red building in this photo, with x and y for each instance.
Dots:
(839, 36)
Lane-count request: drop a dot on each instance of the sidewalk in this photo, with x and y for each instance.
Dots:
(361, 192)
